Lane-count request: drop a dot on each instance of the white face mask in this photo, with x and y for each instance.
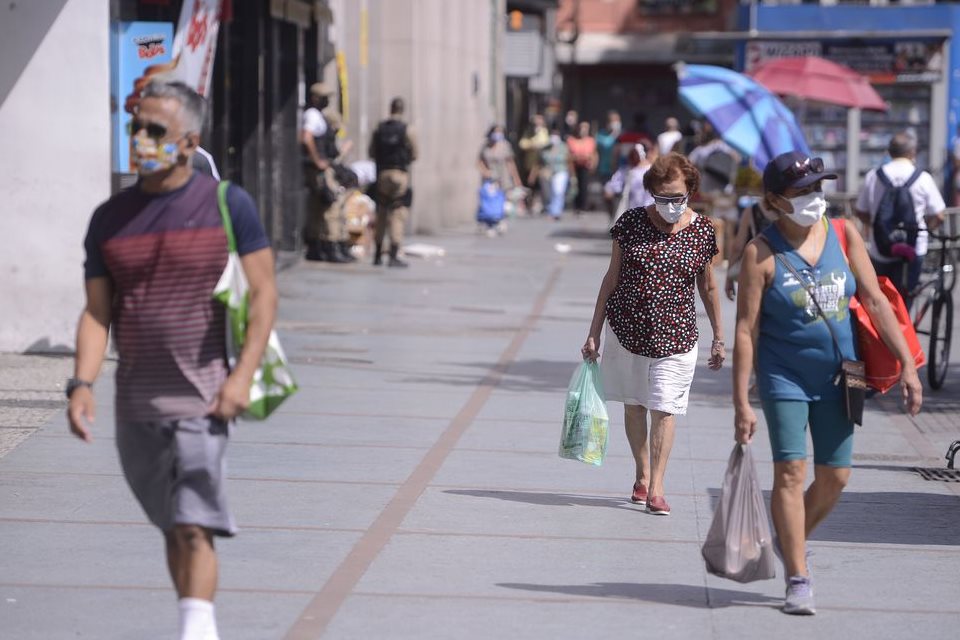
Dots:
(807, 209)
(671, 212)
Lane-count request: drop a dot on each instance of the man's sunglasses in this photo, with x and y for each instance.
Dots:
(803, 168)
(669, 199)
(155, 131)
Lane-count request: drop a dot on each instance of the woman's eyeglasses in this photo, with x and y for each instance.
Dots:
(669, 199)
(155, 131)
(803, 168)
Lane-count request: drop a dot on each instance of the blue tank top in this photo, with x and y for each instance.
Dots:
(796, 357)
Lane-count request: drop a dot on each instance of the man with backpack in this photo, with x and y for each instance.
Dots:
(717, 162)
(392, 148)
(898, 203)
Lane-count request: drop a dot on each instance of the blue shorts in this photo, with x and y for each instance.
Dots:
(830, 430)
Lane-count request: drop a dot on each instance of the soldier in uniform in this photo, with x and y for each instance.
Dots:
(392, 148)
(323, 231)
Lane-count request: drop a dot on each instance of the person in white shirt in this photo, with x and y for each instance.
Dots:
(927, 202)
(323, 232)
(627, 182)
(669, 138)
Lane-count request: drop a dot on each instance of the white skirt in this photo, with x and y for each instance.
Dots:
(659, 384)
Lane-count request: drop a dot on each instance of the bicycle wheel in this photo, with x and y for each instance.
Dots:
(941, 330)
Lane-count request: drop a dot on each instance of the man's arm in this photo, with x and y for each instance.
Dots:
(372, 147)
(92, 332)
(234, 397)
(934, 212)
(412, 143)
(307, 139)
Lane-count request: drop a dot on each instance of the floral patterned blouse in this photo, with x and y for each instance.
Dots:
(652, 311)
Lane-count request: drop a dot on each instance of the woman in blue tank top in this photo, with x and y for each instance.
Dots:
(780, 331)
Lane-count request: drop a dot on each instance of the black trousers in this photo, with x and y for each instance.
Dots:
(583, 187)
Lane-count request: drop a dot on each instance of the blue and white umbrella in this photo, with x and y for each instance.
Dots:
(747, 116)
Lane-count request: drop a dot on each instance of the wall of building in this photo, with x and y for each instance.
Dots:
(55, 167)
(440, 57)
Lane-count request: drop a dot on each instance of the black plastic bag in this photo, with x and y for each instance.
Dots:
(739, 545)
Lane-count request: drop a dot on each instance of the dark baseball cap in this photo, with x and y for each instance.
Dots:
(794, 169)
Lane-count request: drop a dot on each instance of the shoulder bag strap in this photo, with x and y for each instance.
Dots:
(225, 215)
(810, 292)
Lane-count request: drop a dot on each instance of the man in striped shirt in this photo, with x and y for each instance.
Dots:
(154, 253)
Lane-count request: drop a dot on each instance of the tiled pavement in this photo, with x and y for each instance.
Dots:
(412, 489)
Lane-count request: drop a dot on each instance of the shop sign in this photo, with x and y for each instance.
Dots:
(881, 61)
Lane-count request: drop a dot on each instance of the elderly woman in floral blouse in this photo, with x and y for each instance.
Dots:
(647, 298)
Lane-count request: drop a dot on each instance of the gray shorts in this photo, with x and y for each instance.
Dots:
(177, 471)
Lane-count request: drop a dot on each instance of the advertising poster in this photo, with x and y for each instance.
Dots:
(138, 50)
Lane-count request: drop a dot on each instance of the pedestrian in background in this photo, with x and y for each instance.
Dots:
(496, 161)
(323, 230)
(583, 155)
(154, 254)
(608, 160)
(556, 168)
(392, 147)
(660, 253)
(798, 355)
(901, 170)
(753, 220)
(670, 137)
(626, 188)
(531, 144)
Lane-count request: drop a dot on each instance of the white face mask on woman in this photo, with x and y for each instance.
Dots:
(671, 211)
(807, 209)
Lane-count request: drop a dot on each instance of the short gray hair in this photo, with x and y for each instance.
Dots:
(193, 108)
(903, 145)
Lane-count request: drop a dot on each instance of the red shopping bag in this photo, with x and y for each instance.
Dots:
(883, 367)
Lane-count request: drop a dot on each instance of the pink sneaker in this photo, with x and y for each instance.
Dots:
(658, 506)
(639, 494)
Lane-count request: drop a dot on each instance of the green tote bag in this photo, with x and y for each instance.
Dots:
(273, 381)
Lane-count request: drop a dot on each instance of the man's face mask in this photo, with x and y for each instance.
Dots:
(151, 156)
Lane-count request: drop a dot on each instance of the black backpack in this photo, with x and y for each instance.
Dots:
(392, 151)
(718, 168)
(896, 219)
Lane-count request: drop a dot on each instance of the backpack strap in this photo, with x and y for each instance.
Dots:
(225, 215)
(913, 178)
(882, 177)
(885, 181)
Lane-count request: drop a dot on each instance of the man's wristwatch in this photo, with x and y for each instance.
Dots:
(74, 383)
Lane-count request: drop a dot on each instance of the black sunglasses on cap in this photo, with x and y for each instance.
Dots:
(154, 130)
(803, 168)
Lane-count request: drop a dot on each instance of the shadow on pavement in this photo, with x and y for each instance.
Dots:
(685, 595)
(547, 499)
(582, 234)
(519, 375)
(893, 518)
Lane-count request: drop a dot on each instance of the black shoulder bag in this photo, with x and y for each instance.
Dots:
(852, 377)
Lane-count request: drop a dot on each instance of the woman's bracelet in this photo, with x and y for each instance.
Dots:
(719, 342)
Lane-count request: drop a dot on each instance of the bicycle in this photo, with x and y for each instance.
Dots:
(937, 296)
